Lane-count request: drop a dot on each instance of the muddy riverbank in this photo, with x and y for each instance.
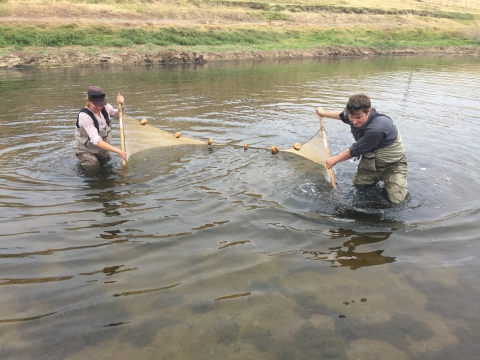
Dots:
(160, 55)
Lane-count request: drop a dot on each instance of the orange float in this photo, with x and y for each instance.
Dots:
(274, 149)
(177, 134)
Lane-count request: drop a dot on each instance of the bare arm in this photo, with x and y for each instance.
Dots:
(106, 146)
(328, 114)
(111, 110)
(345, 155)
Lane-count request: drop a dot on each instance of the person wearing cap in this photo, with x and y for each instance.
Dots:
(378, 143)
(93, 135)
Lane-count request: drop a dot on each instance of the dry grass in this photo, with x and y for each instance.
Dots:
(188, 10)
(169, 12)
(473, 33)
(444, 5)
(134, 11)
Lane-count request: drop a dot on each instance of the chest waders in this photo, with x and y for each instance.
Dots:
(387, 164)
(82, 140)
(382, 157)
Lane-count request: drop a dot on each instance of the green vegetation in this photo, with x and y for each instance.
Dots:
(261, 39)
(232, 25)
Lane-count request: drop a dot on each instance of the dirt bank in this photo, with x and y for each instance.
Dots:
(66, 57)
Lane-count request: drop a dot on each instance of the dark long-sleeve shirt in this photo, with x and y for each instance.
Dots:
(378, 132)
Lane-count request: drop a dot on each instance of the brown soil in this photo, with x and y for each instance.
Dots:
(163, 55)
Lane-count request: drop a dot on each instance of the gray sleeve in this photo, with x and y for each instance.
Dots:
(367, 143)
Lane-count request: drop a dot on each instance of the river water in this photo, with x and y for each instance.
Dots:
(220, 253)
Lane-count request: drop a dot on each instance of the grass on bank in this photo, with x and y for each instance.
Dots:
(237, 9)
(361, 8)
(253, 38)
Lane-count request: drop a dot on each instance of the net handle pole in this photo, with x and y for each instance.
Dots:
(327, 151)
(122, 138)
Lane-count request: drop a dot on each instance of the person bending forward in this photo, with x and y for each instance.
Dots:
(379, 144)
(93, 136)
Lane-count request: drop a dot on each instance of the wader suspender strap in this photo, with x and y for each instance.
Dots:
(95, 121)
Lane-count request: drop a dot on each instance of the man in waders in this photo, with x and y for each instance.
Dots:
(93, 135)
(378, 143)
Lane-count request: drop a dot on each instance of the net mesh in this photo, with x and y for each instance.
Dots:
(313, 149)
(141, 137)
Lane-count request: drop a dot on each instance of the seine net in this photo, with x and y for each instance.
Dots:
(142, 137)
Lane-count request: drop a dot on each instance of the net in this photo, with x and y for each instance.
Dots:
(142, 137)
(313, 149)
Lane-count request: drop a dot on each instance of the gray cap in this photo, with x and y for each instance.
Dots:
(96, 96)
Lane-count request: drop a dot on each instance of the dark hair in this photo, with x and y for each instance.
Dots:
(358, 103)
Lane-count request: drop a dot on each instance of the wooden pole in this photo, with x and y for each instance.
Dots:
(327, 151)
(120, 118)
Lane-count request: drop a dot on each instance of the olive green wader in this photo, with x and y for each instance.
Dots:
(387, 164)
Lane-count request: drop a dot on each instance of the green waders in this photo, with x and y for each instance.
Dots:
(378, 166)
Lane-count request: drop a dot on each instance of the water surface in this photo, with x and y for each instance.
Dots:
(215, 253)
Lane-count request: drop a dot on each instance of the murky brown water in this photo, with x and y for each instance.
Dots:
(230, 254)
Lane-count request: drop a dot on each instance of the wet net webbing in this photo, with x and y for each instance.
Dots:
(141, 137)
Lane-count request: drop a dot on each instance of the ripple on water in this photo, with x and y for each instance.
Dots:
(191, 250)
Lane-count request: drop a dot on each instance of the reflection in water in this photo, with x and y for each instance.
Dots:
(32, 281)
(110, 270)
(93, 177)
(183, 228)
(54, 251)
(233, 296)
(139, 292)
(234, 243)
(351, 258)
(117, 324)
(26, 319)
